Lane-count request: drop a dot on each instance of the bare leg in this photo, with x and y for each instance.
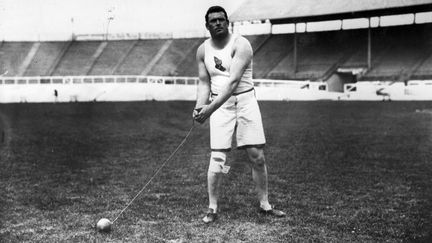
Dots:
(213, 182)
(214, 179)
(259, 174)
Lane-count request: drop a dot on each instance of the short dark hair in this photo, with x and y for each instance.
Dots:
(215, 9)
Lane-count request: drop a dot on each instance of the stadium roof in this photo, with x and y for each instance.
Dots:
(286, 11)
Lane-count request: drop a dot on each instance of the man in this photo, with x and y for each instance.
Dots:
(55, 96)
(225, 76)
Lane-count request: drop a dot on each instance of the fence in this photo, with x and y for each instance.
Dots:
(139, 88)
(384, 90)
(131, 88)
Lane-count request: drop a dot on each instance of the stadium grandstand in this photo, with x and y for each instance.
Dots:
(303, 50)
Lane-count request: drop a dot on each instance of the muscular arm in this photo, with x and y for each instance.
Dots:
(242, 57)
(203, 89)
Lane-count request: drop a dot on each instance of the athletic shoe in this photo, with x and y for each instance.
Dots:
(210, 217)
(273, 212)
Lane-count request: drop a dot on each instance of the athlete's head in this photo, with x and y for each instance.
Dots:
(217, 22)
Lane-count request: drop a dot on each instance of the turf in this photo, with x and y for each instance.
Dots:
(343, 171)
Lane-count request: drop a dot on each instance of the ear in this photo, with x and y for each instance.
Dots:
(207, 26)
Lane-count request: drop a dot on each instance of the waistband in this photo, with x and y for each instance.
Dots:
(235, 94)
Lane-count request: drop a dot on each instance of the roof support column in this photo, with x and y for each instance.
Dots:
(295, 48)
(369, 46)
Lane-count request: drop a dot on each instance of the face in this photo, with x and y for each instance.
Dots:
(217, 25)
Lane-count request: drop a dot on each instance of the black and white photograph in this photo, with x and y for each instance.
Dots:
(215, 121)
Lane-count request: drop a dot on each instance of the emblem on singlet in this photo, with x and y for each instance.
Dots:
(218, 63)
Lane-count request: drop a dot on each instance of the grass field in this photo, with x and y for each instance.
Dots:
(343, 171)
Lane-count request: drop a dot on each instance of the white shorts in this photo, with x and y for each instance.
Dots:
(239, 113)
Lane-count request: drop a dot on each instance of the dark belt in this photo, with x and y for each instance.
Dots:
(235, 94)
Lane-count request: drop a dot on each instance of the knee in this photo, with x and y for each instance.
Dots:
(217, 163)
(257, 159)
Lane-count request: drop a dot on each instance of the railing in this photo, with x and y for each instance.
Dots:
(380, 90)
(98, 80)
(137, 88)
(133, 79)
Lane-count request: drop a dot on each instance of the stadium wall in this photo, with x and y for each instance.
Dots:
(141, 88)
(383, 90)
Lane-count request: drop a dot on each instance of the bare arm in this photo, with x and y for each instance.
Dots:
(203, 89)
(241, 59)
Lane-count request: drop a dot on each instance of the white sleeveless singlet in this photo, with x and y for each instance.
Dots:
(218, 62)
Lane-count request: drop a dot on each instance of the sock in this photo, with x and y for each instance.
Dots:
(214, 207)
(265, 205)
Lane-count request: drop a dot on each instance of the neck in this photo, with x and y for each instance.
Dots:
(221, 41)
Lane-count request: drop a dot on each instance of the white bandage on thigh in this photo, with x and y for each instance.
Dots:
(217, 162)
